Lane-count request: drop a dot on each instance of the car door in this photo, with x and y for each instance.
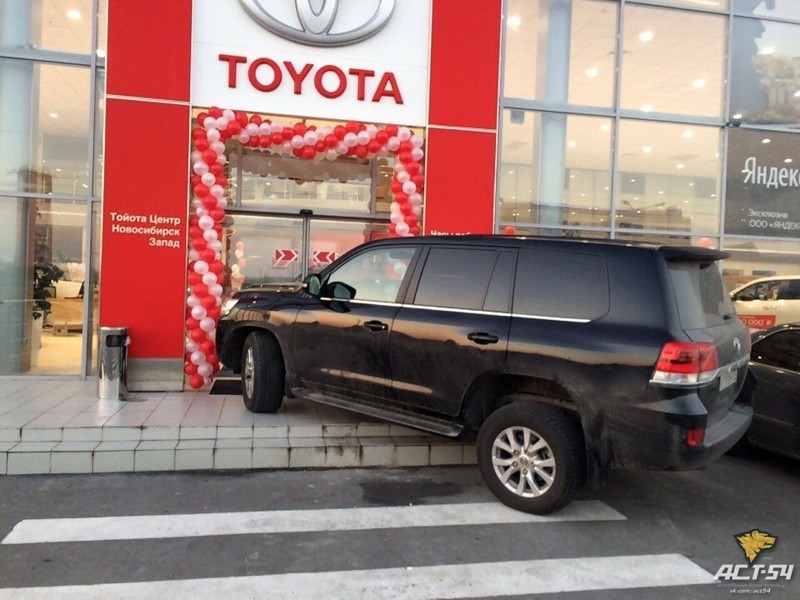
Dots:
(775, 362)
(757, 304)
(453, 329)
(341, 336)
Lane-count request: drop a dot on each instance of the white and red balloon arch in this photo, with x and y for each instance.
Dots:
(209, 201)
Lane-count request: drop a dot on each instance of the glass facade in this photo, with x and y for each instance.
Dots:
(683, 132)
(51, 83)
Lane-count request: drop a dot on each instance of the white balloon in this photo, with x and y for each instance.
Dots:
(403, 176)
(287, 147)
(205, 370)
(229, 114)
(215, 289)
(199, 312)
(350, 139)
(417, 154)
(217, 190)
(193, 254)
(198, 357)
(397, 218)
(298, 141)
(341, 148)
(362, 137)
(417, 210)
(210, 278)
(409, 187)
(265, 129)
(393, 144)
(415, 198)
(206, 381)
(213, 135)
(208, 325)
(384, 151)
(417, 141)
(372, 130)
(252, 129)
(277, 127)
(208, 178)
(218, 147)
(244, 137)
(310, 137)
(205, 222)
(404, 134)
(222, 202)
(216, 246)
(210, 123)
(197, 155)
(210, 235)
(222, 159)
(222, 123)
(331, 154)
(197, 203)
(201, 267)
(201, 211)
(238, 253)
(394, 207)
(192, 301)
(192, 346)
(235, 269)
(402, 229)
(200, 168)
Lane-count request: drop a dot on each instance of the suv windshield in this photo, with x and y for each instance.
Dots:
(702, 300)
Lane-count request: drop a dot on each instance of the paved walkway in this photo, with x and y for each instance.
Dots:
(50, 426)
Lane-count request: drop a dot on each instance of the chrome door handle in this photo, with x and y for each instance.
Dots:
(479, 337)
(376, 326)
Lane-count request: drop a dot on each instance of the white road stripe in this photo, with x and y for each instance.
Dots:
(37, 531)
(420, 583)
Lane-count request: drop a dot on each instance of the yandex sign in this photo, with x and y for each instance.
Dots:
(337, 59)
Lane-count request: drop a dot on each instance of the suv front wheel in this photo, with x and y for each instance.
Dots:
(531, 457)
(263, 374)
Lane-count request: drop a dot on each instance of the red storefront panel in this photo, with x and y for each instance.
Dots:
(465, 58)
(149, 48)
(143, 263)
(459, 188)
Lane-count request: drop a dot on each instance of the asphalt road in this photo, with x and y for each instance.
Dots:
(642, 531)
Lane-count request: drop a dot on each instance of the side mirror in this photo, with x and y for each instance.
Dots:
(314, 285)
(339, 291)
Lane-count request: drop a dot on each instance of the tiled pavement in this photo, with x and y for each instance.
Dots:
(50, 426)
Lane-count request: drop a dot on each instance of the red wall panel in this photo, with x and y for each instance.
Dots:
(149, 48)
(465, 59)
(143, 283)
(459, 187)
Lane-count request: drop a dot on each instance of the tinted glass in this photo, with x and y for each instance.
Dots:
(568, 285)
(498, 298)
(455, 278)
(781, 350)
(700, 293)
(375, 274)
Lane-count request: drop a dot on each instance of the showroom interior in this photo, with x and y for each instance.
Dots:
(659, 121)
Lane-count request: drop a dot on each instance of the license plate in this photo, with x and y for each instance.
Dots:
(727, 379)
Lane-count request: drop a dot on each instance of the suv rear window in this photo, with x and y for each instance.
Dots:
(700, 293)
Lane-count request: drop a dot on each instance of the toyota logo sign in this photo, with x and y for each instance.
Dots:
(316, 25)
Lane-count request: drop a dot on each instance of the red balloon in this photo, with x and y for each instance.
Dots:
(419, 180)
(207, 347)
(405, 147)
(220, 180)
(287, 133)
(241, 118)
(213, 313)
(400, 197)
(200, 290)
(210, 202)
(201, 117)
(208, 301)
(309, 152)
(405, 157)
(264, 141)
(196, 381)
(216, 267)
(201, 144)
(194, 278)
(331, 140)
(405, 208)
(396, 186)
(212, 358)
(411, 219)
(352, 126)
(362, 152)
(277, 138)
(208, 255)
(509, 230)
(320, 146)
(216, 169)
(255, 119)
(298, 152)
(339, 132)
(197, 335)
(192, 323)
(210, 156)
(201, 190)
(217, 214)
(392, 130)
(190, 368)
(382, 137)
(415, 230)
(412, 167)
(234, 128)
(199, 244)
(392, 230)
(373, 147)
(194, 220)
(218, 228)
(198, 133)
(195, 232)
(194, 180)
(215, 112)
(300, 129)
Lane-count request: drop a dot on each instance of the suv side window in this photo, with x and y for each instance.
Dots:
(376, 274)
(498, 298)
(567, 285)
(778, 349)
(455, 278)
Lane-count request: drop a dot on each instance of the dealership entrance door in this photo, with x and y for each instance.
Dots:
(270, 248)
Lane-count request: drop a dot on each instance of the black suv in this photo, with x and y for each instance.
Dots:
(568, 356)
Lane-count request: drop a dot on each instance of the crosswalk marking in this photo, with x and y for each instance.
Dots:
(420, 583)
(37, 531)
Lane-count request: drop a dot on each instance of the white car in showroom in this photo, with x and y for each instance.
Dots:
(769, 301)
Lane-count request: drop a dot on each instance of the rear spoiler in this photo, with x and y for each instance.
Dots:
(692, 254)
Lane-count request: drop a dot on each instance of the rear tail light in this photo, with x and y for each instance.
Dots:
(686, 363)
(695, 437)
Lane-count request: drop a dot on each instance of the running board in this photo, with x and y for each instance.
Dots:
(395, 415)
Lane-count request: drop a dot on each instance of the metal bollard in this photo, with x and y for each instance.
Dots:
(112, 373)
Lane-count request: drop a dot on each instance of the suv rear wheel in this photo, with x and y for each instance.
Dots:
(531, 457)
(263, 374)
